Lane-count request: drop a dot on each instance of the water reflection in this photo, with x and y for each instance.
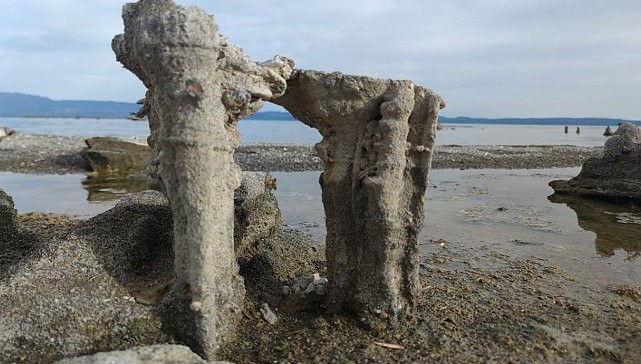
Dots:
(617, 226)
(110, 187)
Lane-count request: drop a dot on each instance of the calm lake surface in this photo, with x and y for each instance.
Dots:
(298, 133)
(511, 210)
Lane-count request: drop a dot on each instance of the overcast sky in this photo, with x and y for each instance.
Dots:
(490, 58)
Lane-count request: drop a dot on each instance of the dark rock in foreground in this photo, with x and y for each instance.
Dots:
(7, 214)
(616, 175)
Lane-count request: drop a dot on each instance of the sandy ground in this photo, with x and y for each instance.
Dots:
(71, 287)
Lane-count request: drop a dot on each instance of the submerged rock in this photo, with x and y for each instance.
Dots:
(108, 154)
(616, 175)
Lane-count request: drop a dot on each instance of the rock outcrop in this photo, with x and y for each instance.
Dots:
(198, 87)
(256, 212)
(113, 155)
(8, 222)
(5, 132)
(175, 51)
(615, 176)
(378, 139)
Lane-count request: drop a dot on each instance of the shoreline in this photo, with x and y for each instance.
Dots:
(477, 303)
(44, 154)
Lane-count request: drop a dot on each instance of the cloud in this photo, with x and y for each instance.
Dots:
(485, 57)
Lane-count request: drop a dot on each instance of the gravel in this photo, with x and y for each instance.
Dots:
(58, 154)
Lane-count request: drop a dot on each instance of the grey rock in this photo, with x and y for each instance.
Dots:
(175, 51)
(5, 132)
(8, 213)
(616, 175)
(626, 140)
(268, 314)
(153, 354)
(378, 139)
(256, 212)
(199, 86)
(108, 155)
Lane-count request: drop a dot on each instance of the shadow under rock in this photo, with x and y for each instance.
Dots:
(133, 242)
(16, 248)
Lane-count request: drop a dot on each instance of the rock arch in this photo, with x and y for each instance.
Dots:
(378, 138)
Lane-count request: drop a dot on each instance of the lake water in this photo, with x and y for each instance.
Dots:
(298, 133)
(509, 209)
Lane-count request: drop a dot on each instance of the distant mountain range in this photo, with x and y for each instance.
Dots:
(15, 104)
(21, 105)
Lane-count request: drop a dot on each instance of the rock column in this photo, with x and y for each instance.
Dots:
(378, 139)
(175, 51)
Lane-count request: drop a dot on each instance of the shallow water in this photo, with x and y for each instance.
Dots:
(72, 194)
(510, 210)
(278, 131)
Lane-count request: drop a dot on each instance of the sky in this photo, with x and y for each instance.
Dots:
(486, 58)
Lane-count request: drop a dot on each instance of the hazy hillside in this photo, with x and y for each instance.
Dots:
(536, 121)
(15, 104)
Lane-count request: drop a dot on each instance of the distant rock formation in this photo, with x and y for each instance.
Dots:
(378, 139)
(615, 176)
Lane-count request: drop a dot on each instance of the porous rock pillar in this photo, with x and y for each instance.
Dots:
(174, 51)
(378, 139)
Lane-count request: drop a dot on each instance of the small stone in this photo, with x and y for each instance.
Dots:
(196, 306)
(286, 291)
(310, 288)
(321, 290)
(267, 314)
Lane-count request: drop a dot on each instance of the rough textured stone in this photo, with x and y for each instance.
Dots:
(615, 176)
(256, 215)
(245, 84)
(8, 223)
(153, 354)
(199, 86)
(378, 139)
(175, 52)
(5, 132)
(108, 154)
